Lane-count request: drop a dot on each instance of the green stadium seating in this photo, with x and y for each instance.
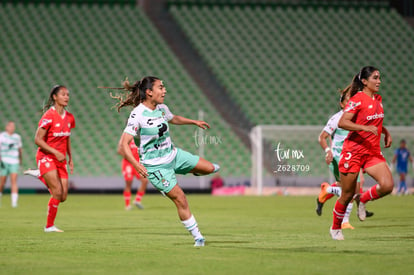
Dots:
(296, 57)
(85, 46)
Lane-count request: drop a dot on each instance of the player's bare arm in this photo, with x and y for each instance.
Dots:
(69, 152)
(125, 151)
(323, 136)
(39, 141)
(346, 123)
(179, 120)
(387, 138)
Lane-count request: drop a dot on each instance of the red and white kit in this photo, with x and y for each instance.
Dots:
(362, 149)
(57, 136)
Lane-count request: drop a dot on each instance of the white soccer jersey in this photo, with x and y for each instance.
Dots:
(156, 146)
(338, 134)
(9, 147)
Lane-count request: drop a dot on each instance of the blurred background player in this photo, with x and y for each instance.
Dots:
(10, 160)
(363, 117)
(160, 160)
(53, 138)
(401, 157)
(129, 172)
(336, 136)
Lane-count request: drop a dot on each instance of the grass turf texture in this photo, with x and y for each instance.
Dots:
(245, 235)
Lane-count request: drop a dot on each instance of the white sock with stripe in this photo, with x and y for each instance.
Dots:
(347, 212)
(192, 226)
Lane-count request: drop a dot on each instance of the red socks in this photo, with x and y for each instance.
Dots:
(370, 195)
(139, 196)
(127, 198)
(338, 215)
(52, 211)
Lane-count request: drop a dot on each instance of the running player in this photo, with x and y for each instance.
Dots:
(53, 138)
(160, 159)
(10, 160)
(363, 116)
(337, 137)
(129, 172)
(402, 156)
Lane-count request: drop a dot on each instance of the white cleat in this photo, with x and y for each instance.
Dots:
(336, 234)
(362, 213)
(199, 242)
(127, 208)
(52, 229)
(138, 204)
(32, 172)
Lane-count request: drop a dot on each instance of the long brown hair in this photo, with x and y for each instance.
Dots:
(134, 94)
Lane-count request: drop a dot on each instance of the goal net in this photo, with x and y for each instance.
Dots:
(290, 155)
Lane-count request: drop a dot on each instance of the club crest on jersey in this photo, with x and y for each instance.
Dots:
(165, 182)
(45, 122)
(352, 105)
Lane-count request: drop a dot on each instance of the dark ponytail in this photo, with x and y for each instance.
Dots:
(357, 84)
(51, 101)
(134, 94)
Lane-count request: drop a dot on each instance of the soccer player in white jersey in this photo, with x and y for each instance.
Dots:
(160, 160)
(337, 136)
(10, 160)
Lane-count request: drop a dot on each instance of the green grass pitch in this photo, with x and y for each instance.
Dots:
(245, 235)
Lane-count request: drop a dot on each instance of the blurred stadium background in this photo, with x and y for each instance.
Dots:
(242, 63)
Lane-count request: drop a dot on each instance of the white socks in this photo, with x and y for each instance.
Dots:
(348, 212)
(14, 198)
(192, 226)
(337, 191)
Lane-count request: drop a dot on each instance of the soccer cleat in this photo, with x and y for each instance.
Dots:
(369, 214)
(32, 172)
(346, 225)
(323, 194)
(199, 242)
(138, 204)
(336, 234)
(127, 208)
(361, 213)
(319, 206)
(52, 229)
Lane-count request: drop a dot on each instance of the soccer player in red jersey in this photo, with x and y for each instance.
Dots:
(53, 138)
(129, 173)
(363, 117)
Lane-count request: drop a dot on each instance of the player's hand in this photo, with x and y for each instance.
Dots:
(372, 129)
(202, 124)
(141, 170)
(60, 157)
(71, 166)
(329, 157)
(387, 140)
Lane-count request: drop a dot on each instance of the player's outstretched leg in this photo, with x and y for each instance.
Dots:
(204, 167)
(32, 172)
(187, 218)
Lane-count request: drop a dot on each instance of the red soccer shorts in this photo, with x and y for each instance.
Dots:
(129, 171)
(353, 162)
(47, 164)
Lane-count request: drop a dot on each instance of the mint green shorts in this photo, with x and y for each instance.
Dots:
(7, 169)
(163, 176)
